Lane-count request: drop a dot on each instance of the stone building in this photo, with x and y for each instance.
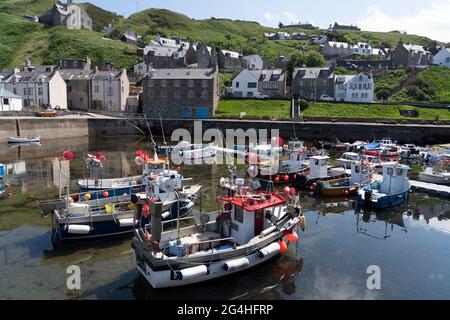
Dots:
(312, 83)
(201, 56)
(230, 61)
(70, 15)
(334, 49)
(165, 57)
(406, 55)
(110, 90)
(181, 93)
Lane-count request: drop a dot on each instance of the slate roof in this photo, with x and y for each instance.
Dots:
(183, 73)
(313, 73)
(76, 74)
(7, 94)
(269, 74)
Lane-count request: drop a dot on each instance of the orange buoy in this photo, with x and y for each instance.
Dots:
(302, 222)
(105, 194)
(286, 178)
(292, 237)
(283, 246)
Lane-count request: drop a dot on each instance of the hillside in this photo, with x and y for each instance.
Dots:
(49, 44)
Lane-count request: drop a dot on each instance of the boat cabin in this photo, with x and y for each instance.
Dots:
(350, 156)
(250, 213)
(155, 166)
(318, 166)
(295, 145)
(387, 142)
(361, 173)
(395, 179)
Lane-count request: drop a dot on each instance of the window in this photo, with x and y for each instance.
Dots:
(177, 93)
(447, 60)
(150, 83)
(237, 84)
(191, 94)
(250, 94)
(163, 83)
(191, 83)
(25, 92)
(15, 90)
(6, 102)
(96, 88)
(41, 102)
(204, 84)
(251, 85)
(239, 214)
(390, 171)
(110, 91)
(204, 94)
(177, 83)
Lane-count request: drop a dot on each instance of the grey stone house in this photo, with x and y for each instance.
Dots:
(407, 55)
(271, 82)
(165, 57)
(202, 56)
(334, 49)
(181, 93)
(311, 83)
(70, 15)
(230, 61)
(79, 88)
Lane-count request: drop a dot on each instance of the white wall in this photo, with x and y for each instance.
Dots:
(140, 69)
(240, 88)
(254, 62)
(359, 88)
(442, 58)
(14, 104)
(57, 92)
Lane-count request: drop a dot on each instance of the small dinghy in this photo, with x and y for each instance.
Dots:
(23, 140)
(431, 175)
(393, 190)
(250, 228)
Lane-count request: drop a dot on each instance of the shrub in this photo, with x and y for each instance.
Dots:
(303, 104)
(382, 94)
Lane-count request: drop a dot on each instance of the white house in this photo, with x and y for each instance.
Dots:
(45, 89)
(254, 62)
(140, 69)
(320, 39)
(442, 58)
(245, 85)
(354, 88)
(283, 36)
(9, 101)
(110, 91)
(363, 49)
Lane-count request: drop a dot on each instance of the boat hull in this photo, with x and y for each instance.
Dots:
(436, 179)
(107, 226)
(385, 202)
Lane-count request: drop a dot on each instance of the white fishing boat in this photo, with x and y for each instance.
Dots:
(23, 139)
(431, 175)
(186, 151)
(347, 159)
(250, 228)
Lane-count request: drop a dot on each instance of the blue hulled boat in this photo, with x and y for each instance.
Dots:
(2, 182)
(393, 190)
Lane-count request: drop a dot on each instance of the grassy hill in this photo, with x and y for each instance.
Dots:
(19, 38)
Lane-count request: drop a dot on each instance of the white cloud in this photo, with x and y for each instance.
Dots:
(432, 21)
(291, 17)
(268, 16)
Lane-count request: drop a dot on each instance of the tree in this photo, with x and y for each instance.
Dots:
(296, 60)
(382, 94)
(280, 25)
(315, 59)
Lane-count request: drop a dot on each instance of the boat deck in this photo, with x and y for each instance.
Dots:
(430, 188)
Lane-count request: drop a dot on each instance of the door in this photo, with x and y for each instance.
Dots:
(259, 222)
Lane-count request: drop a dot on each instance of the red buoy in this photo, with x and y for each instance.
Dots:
(292, 237)
(283, 246)
(105, 194)
(286, 178)
(276, 179)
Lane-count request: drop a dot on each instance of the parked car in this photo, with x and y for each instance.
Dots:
(325, 97)
(49, 113)
(259, 95)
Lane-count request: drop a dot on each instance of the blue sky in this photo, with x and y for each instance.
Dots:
(424, 17)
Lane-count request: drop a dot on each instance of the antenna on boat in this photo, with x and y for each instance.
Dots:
(162, 129)
(150, 131)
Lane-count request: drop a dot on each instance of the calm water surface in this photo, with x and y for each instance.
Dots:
(409, 244)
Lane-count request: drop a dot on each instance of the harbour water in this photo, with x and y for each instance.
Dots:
(410, 244)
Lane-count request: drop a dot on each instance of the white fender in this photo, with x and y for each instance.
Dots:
(127, 222)
(165, 215)
(78, 229)
(270, 250)
(192, 273)
(236, 264)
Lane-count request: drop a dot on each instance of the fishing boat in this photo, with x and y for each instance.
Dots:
(23, 139)
(347, 159)
(186, 152)
(435, 176)
(361, 175)
(319, 170)
(2, 181)
(79, 218)
(250, 228)
(124, 185)
(393, 190)
(285, 171)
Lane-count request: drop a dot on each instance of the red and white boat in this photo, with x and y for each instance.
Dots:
(250, 228)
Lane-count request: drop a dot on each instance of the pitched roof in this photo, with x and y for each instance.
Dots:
(269, 74)
(183, 73)
(415, 48)
(312, 73)
(232, 54)
(106, 75)
(7, 94)
(339, 44)
(31, 76)
(76, 74)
